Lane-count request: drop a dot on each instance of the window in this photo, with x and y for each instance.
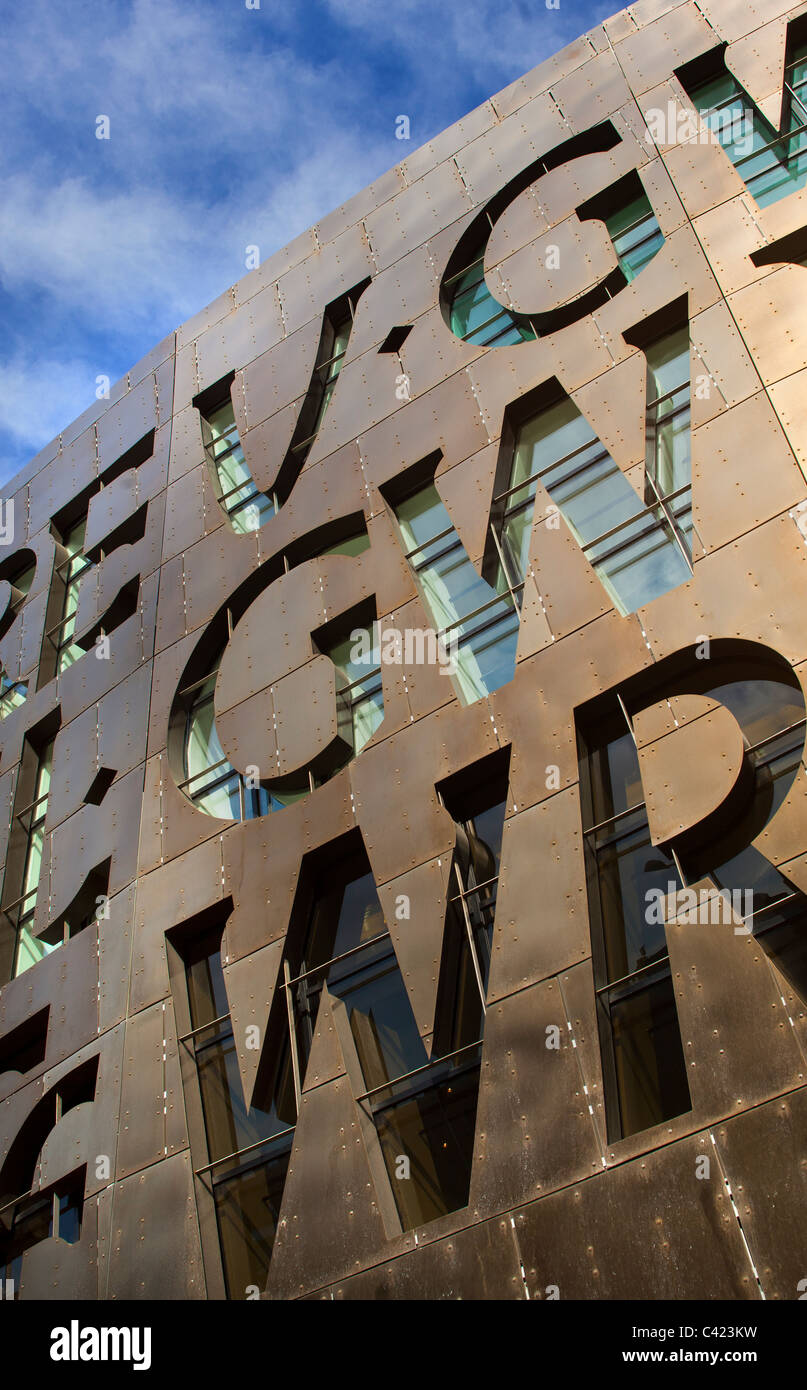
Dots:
(208, 778)
(772, 164)
(422, 1109)
(337, 326)
(475, 316)
(57, 1214)
(12, 694)
(638, 551)
(644, 1072)
(778, 915)
(70, 571)
(359, 695)
(248, 1150)
(211, 782)
(24, 1047)
(643, 1065)
(330, 359)
(430, 1116)
(29, 1215)
(30, 821)
(635, 234)
(19, 571)
(68, 528)
(478, 626)
(24, 871)
(668, 461)
(246, 507)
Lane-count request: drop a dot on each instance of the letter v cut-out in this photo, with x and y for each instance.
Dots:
(245, 505)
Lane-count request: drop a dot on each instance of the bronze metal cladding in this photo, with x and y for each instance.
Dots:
(188, 617)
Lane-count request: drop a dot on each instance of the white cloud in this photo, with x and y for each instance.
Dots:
(39, 396)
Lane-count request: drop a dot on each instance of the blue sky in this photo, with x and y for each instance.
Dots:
(229, 127)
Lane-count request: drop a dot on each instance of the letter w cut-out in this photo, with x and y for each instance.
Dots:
(639, 542)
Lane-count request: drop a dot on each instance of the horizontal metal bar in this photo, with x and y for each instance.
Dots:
(643, 970)
(315, 969)
(427, 1066)
(203, 1026)
(620, 815)
(475, 612)
(239, 1153)
(789, 728)
(449, 530)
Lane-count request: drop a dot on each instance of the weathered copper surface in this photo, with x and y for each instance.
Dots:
(554, 1201)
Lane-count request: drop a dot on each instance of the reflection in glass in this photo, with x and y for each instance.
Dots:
(771, 165)
(480, 625)
(649, 1056)
(30, 948)
(635, 234)
(359, 693)
(71, 571)
(246, 507)
(640, 548)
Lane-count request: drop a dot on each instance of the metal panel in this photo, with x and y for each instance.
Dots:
(630, 1220)
(534, 1132)
(480, 1262)
(540, 936)
(761, 1154)
(688, 773)
(644, 1230)
(724, 467)
(154, 1243)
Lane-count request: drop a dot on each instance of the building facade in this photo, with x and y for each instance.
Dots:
(402, 725)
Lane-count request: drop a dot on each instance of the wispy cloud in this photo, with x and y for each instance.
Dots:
(229, 127)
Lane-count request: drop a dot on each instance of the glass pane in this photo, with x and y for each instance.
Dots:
(615, 781)
(353, 545)
(732, 862)
(649, 562)
(223, 431)
(761, 707)
(769, 173)
(360, 709)
(229, 1125)
(479, 318)
(421, 517)
(12, 695)
(628, 866)
(218, 793)
(486, 659)
(207, 994)
(468, 1019)
(32, 1223)
(435, 1131)
(343, 917)
(381, 1019)
(649, 1058)
(247, 1211)
(635, 234)
(452, 591)
(70, 1208)
(668, 413)
(30, 950)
